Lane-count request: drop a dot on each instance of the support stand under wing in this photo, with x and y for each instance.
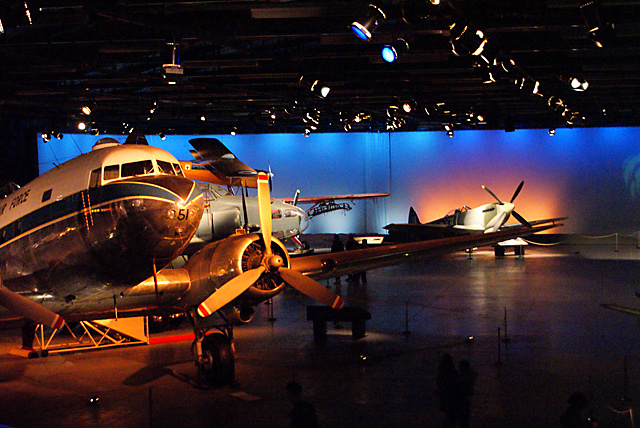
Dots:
(95, 335)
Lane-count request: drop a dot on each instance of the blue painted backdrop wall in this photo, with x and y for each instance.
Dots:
(590, 175)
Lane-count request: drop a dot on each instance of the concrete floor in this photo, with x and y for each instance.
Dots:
(561, 341)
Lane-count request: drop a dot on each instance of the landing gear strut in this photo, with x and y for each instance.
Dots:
(214, 353)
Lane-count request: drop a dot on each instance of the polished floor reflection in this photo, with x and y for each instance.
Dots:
(548, 303)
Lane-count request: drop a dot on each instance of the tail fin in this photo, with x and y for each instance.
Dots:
(413, 217)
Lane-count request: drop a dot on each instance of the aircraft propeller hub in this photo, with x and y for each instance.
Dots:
(274, 262)
(508, 207)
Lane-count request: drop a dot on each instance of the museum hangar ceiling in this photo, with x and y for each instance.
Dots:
(260, 66)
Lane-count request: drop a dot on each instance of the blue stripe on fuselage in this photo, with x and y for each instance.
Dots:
(77, 202)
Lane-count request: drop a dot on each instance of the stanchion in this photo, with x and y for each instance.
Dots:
(406, 331)
(499, 362)
(271, 317)
(505, 339)
(616, 249)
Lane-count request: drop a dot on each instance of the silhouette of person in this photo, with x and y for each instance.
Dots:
(352, 244)
(363, 274)
(303, 413)
(336, 247)
(466, 388)
(447, 389)
(575, 415)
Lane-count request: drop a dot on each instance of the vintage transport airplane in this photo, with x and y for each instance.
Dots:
(93, 237)
(463, 221)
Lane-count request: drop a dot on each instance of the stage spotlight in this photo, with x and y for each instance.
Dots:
(417, 12)
(46, 137)
(365, 28)
(315, 86)
(58, 135)
(577, 84)
(552, 131)
(162, 136)
(465, 41)
(391, 52)
(94, 131)
(86, 110)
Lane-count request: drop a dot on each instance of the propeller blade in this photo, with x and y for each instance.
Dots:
(264, 203)
(520, 219)
(295, 197)
(311, 288)
(229, 291)
(491, 193)
(244, 206)
(515, 194)
(29, 309)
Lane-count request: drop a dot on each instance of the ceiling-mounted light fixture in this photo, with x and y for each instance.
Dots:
(390, 53)
(58, 135)
(317, 87)
(46, 137)
(82, 126)
(466, 41)
(552, 131)
(578, 84)
(86, 110)
(172, 73)
(365, 27)
(162, 136)
(601, 30)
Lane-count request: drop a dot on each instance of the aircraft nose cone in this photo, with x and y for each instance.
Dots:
(304, 220)
(508, 207)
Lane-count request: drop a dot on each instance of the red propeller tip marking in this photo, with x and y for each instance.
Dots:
(203, 311)
(58, 322)
(262, 176)
(338, 303)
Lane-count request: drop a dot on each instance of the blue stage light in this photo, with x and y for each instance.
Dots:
(361, 31)
(389, 53)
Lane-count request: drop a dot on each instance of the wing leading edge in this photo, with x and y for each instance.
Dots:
(323, 266)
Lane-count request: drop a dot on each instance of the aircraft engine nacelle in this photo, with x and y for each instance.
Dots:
(217, 263)
(238, 314)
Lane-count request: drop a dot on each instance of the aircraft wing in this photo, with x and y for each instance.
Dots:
(328, 265)
(214, 163)
(320, 199)
(535, 222)
(620, 308)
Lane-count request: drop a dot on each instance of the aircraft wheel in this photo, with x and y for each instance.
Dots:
(499, 251)
(217, 365)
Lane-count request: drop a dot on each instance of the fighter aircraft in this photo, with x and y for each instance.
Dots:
(93, 237)
(463, 221)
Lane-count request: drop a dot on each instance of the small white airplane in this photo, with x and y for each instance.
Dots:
(93, 238)
(486, 218)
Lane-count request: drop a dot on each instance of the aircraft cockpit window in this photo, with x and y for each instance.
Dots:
(165, 168)
(111, 172)
(137, 168)
(176, 166)
(94, 179)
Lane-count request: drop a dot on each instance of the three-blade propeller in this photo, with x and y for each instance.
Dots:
(271, 263)
(508, 208)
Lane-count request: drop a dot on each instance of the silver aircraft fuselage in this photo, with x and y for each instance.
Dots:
(77, 237)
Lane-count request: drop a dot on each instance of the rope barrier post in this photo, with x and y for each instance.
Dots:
(406, 318)
(499, 362)
(505, 339)
(271, 318)
(616, 249)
